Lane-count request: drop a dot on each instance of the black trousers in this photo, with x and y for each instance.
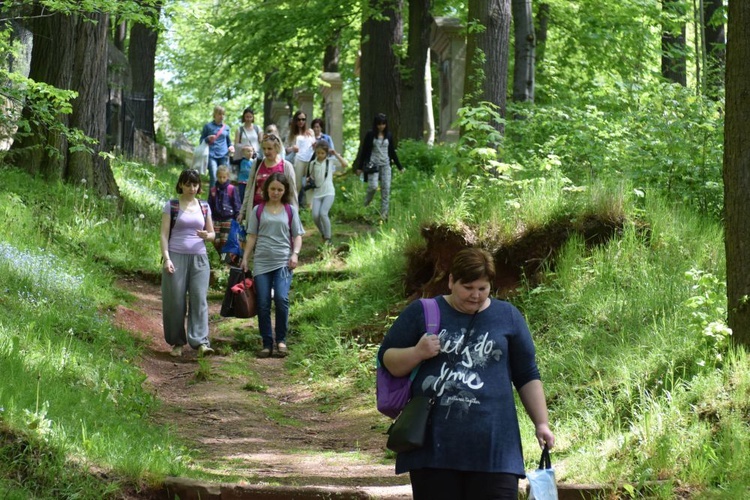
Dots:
(448, 484)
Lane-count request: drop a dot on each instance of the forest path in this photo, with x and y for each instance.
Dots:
(248, 424)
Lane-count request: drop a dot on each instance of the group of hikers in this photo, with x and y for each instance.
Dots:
(261, 182)
(480, 348)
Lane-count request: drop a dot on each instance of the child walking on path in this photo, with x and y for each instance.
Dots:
(186, 225)
(320, 175)
(246, 167)
(224, 200)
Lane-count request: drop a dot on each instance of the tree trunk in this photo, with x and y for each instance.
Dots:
(89, 108)
(673, 48)
(542, 23)
(487, 52)
(525, 47)
(331, 59)
(716, 47)
(119, 30)
(413, 82)
(737, 172)
(380, 81)
(141, 57)
(43, 150)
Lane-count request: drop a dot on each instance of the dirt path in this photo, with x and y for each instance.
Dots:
(280, 436)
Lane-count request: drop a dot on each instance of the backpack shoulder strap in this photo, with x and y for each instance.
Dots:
(431, 315)
(259, 210)
(174, 210)
(204, 209)
(288, 209)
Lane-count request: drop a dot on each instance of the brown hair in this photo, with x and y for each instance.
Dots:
(471, 264)
(279, 177)
(188, 176)
(294, 127)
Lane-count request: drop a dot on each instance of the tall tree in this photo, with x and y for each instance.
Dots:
(413, 81)
(673, 48)
(380, 80)
(90, 107)
(142, 57)
(542, 24)
(715, 40)
(525, 51)
(737, 171)
(69, 61)
(41, 149)
(487, 51)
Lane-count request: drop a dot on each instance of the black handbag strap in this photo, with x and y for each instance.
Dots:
(544, 461)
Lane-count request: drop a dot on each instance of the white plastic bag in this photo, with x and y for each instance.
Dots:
(542, 484)
(200, 158)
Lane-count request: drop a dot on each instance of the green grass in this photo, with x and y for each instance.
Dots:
(642, 383)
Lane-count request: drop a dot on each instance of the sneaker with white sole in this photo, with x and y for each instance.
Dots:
(204, 350)
(176, 351)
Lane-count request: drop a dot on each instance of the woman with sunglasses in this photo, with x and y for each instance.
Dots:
(300, 141)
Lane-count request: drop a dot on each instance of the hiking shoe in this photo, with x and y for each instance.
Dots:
(204, 350)
(264, 353)
(176, 351)
(281, 350)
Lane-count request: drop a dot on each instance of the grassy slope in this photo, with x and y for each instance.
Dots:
(641, 383)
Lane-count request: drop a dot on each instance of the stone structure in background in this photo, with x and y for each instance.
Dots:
(182, 150)
(18, 62)
(146, 150)
(333, 108)
(280, 115)
(449, 43)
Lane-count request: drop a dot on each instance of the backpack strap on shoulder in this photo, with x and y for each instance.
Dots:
(288, 209)
(259, 211)
(431, 315)
(174, 210)
(204, 209)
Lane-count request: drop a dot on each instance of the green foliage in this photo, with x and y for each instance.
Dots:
(247, 48)
(677, 155)
(593, 46)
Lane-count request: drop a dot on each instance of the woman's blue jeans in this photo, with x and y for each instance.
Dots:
(280, 280)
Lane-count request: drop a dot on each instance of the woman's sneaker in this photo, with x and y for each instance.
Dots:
(281, 350)
(264, 353)
(176, 351)
(204, 350)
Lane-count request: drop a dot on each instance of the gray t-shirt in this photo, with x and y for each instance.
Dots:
(273, 246)
(380, 152)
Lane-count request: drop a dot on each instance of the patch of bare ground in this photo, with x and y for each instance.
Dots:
(523, 257)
